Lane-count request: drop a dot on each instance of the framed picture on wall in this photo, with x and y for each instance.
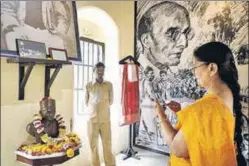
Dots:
(51, 22)
(31, 49)
(166, 33)
(58, 54)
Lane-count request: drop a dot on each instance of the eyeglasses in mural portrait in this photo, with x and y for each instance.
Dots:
(51, 22)
(166, 35)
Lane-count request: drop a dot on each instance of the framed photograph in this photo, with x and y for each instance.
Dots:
(166, 33)
(51, 22)
(58, 54)
(31, 49)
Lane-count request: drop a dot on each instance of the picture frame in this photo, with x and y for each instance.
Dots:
(58, 54)
(40, 25)
(31, 49)
(201, 26)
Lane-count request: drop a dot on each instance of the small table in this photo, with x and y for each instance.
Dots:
(58, 158)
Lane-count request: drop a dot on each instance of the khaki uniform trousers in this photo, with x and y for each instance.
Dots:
(104, 130)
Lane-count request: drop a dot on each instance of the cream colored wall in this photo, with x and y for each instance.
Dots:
(122, 12)
(15, 114)
(93, 31)
(243, 75)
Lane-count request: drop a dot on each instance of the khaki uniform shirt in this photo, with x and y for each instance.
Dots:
(98, 98)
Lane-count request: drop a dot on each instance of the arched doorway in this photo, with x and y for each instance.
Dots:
(99, 26)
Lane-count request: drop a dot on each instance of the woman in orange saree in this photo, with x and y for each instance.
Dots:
(206, 129)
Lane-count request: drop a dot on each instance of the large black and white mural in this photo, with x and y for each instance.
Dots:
(51, 22)
(166, 35)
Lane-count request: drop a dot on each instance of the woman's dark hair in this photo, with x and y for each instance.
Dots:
(221, 54)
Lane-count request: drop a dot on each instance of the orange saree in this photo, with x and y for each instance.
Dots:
(208, 129)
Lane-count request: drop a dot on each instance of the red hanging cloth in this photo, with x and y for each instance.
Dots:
(130, 95)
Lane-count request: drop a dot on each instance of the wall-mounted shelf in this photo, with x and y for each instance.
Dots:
(30, 63)
(37, 61)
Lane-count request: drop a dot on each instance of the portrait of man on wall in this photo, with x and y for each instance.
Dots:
(166, 34)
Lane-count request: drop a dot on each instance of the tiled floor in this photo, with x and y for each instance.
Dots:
(147, 158)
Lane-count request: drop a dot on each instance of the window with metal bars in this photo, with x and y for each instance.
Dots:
(91, 53)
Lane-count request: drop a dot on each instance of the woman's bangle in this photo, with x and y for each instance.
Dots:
(162, 120)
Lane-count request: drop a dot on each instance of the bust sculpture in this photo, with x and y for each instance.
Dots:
(46, 125)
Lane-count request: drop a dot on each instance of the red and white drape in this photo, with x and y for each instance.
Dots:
(130, 94)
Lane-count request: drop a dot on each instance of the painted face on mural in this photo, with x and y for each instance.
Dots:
(163, 76)
(150, 75)
(169, 38)
(244, 108)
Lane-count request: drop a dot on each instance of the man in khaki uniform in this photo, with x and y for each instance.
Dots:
(98, 98)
